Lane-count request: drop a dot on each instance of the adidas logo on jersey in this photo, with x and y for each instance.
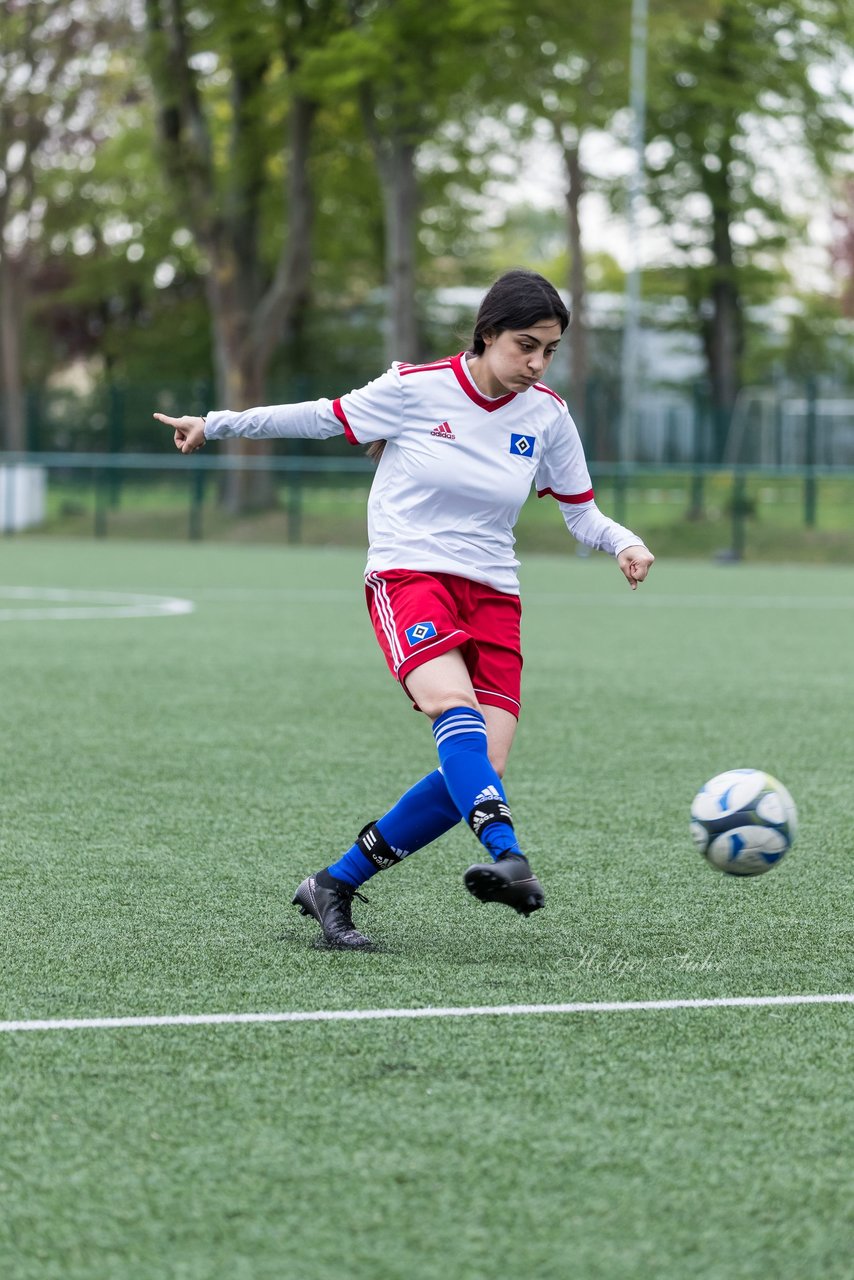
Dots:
(443, 431)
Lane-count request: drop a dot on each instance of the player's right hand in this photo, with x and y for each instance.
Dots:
(189, 432)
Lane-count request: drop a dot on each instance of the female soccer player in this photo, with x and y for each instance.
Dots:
(459, 443)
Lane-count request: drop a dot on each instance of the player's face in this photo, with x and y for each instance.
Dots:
(517, 358)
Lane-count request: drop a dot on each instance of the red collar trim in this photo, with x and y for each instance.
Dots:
(465, 381)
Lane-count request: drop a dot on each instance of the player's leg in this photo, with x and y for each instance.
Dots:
(489, 881)
(413, 616)
(400, 605)
(443, 690)
(501, 728)
(493, 619)
(421, 815)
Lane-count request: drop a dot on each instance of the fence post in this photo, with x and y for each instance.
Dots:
(7, 475)
(295, 507)
(778, 424)
(810, 494)
(671, 436)
(620, 494)
(695, 506)
(197, 498)
(115, 437)
(33, 403)
(738, 516)
(100, 481)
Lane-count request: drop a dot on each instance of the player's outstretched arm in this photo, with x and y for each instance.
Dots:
(189, 431)
(635, 563)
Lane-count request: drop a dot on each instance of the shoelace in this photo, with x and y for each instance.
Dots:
(345, 901)
(349, 894)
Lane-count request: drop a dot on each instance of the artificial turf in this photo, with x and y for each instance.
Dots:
(167, 782)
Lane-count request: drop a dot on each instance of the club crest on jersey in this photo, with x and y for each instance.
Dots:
(443, 431)
(523, 446)
(420, 631)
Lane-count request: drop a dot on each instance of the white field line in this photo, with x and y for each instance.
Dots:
(59, 604)
(377, 1015)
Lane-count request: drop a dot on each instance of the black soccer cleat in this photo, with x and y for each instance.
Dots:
(332, 909)
(509, 880)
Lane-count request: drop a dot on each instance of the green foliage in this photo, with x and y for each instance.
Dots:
(734, 99)
(817, 342)
(129, 292)
(741, 96)
(413, 59)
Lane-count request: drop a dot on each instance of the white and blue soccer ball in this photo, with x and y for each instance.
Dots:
(743, 822)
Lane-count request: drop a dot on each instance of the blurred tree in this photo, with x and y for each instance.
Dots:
(50, 55)
(117, 282)
(843, 246)
(576, 79)
(736, 101)
(411, 69)
(222, 75)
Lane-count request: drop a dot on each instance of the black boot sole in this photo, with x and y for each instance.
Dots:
(487, 885)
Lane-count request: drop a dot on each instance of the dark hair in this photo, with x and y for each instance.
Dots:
(516, 300)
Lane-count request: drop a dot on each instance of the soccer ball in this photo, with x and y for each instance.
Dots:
(743, 822)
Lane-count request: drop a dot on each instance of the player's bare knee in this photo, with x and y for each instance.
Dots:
(436, 705)
(498, 760)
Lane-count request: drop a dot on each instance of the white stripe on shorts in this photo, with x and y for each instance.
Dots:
(386, 616)
(493, 693)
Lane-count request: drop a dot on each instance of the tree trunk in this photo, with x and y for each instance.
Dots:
(247, 321)
(577, 282)
(274, 315)
(396, 165)
(14, 424)
(723, 331)
(246, 336)
(239, 385)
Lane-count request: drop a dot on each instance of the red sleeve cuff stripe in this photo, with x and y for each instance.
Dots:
(574, 498)
(342, 418)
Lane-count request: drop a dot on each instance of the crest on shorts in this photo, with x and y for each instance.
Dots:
(420, 631)
(523, 446)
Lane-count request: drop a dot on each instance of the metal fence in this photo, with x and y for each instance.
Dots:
(96, 487)
(806, 424)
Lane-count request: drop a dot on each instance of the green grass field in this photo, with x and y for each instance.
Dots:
(168, 780)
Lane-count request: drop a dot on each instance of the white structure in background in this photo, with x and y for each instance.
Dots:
(770, 426)
(23, 497)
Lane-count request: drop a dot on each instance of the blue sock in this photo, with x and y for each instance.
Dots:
(474, 785)
(420, 816)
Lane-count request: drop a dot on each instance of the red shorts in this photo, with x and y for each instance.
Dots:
(418, 616)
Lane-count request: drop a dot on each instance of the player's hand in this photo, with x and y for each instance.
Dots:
(635, 563)
(189, 432)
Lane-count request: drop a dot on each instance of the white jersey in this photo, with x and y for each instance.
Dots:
(456, 469)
